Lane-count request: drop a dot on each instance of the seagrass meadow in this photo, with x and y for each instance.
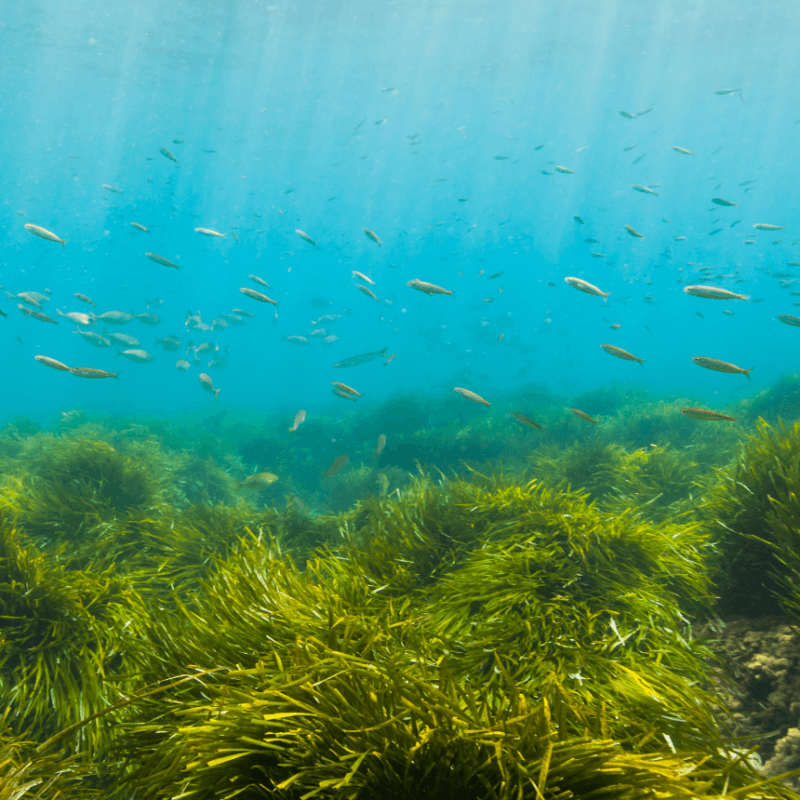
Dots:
(456, 625)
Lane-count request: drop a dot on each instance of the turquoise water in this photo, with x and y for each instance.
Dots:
(436, 125)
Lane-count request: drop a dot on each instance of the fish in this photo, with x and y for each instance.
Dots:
(78, 317)
(726, 203)
(720, 366)
(633, 232)
(165, 262)
(357, 274)
(564, 170)
(122, 338)
(644, 189)
(367, 291)
(259, 280)
(381, 444)
(500, 158)
(714, 293)
(169, 342)
(257, 295)
(476, 398)
(166, 153)
(615, 326)
(209, 232)
(182, 365)
(496, 275)
(788, 319)
(208, 385)
(682, 150)
(362, 358)
(714, 232)
(763, 226)
(343, 387)
(297, 339)
(43, 233)
(583, 415)
(620, 353)
(727, 91)
(337, 466)
(258, 481)
(372, 235)
(83, 298)
(597, 255)
(90, 372)
(139, 227)
(112, 188)
(29, 312)
(242, 313)
(678, 238)
(579, 220)
(523, 420)
(646, 111)
(94, 338)
(500, 338)
(343, 395)
(304, 235)
(389, 359)
(148, 318)
(299, 419)
(139, 356)
(51, 362)
(705, 414)
(428, 288)
(218, 363)
(588, 288)
(627, 115)
(116, 317)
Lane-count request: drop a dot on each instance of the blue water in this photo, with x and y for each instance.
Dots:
(332, 117)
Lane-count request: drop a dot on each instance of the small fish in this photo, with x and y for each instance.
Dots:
(242, 313)
(588, 288)
(705, 414)
(297, 339)
(620, 353)
(343, 395)
(476, 398)
(597, 255)
(428, 288)
(644, 189)
(208, 385)
(381, 444)
(714, 293)
(788, 319)
(727, 91)
(615, 326)
(259, 280)
(343, 387)
(94, 338)
(714, 232)
(363, 358)
(389, 359)
(169, 342)
(166, 153)
(177, 141)
(139, 356)
(583, 415)
(367, 291)
(116, 317)
(165, 262)
(29, 312)
(763, 226)
(496, 275)
(726, 203)
(83, 298)
(627, 115)
(122, 338)
(720, 366)
(182, 365)
(500, 338)
(564, 170)
(372, 235)
(209, 232)
(579, 220)
(500, 158)
(139, 227)
(678, 238)
(682, 150)
(43, 233)
(149, 318)
(257, 295)
(51, 362)
(633, 232)
(112, 189)
(523, 420)
(337, 466)
(305, 236)
(629, 148)
(646, 111)
(299, 419)
(258, 481)
(89, 372)
(363, 277)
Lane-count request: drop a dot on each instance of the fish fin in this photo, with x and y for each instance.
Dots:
(383, 352)
(119, 352)
(747, 373)
(216, 392)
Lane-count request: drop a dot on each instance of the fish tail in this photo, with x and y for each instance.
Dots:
(641, 361)
(747, 373)
(119, 353)
(216, 392)
(383, 352)
(605, 296)
(116, 377)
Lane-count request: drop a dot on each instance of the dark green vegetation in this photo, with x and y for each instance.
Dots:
(481, 611)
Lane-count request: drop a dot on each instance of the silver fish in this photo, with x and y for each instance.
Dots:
(362, 358)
